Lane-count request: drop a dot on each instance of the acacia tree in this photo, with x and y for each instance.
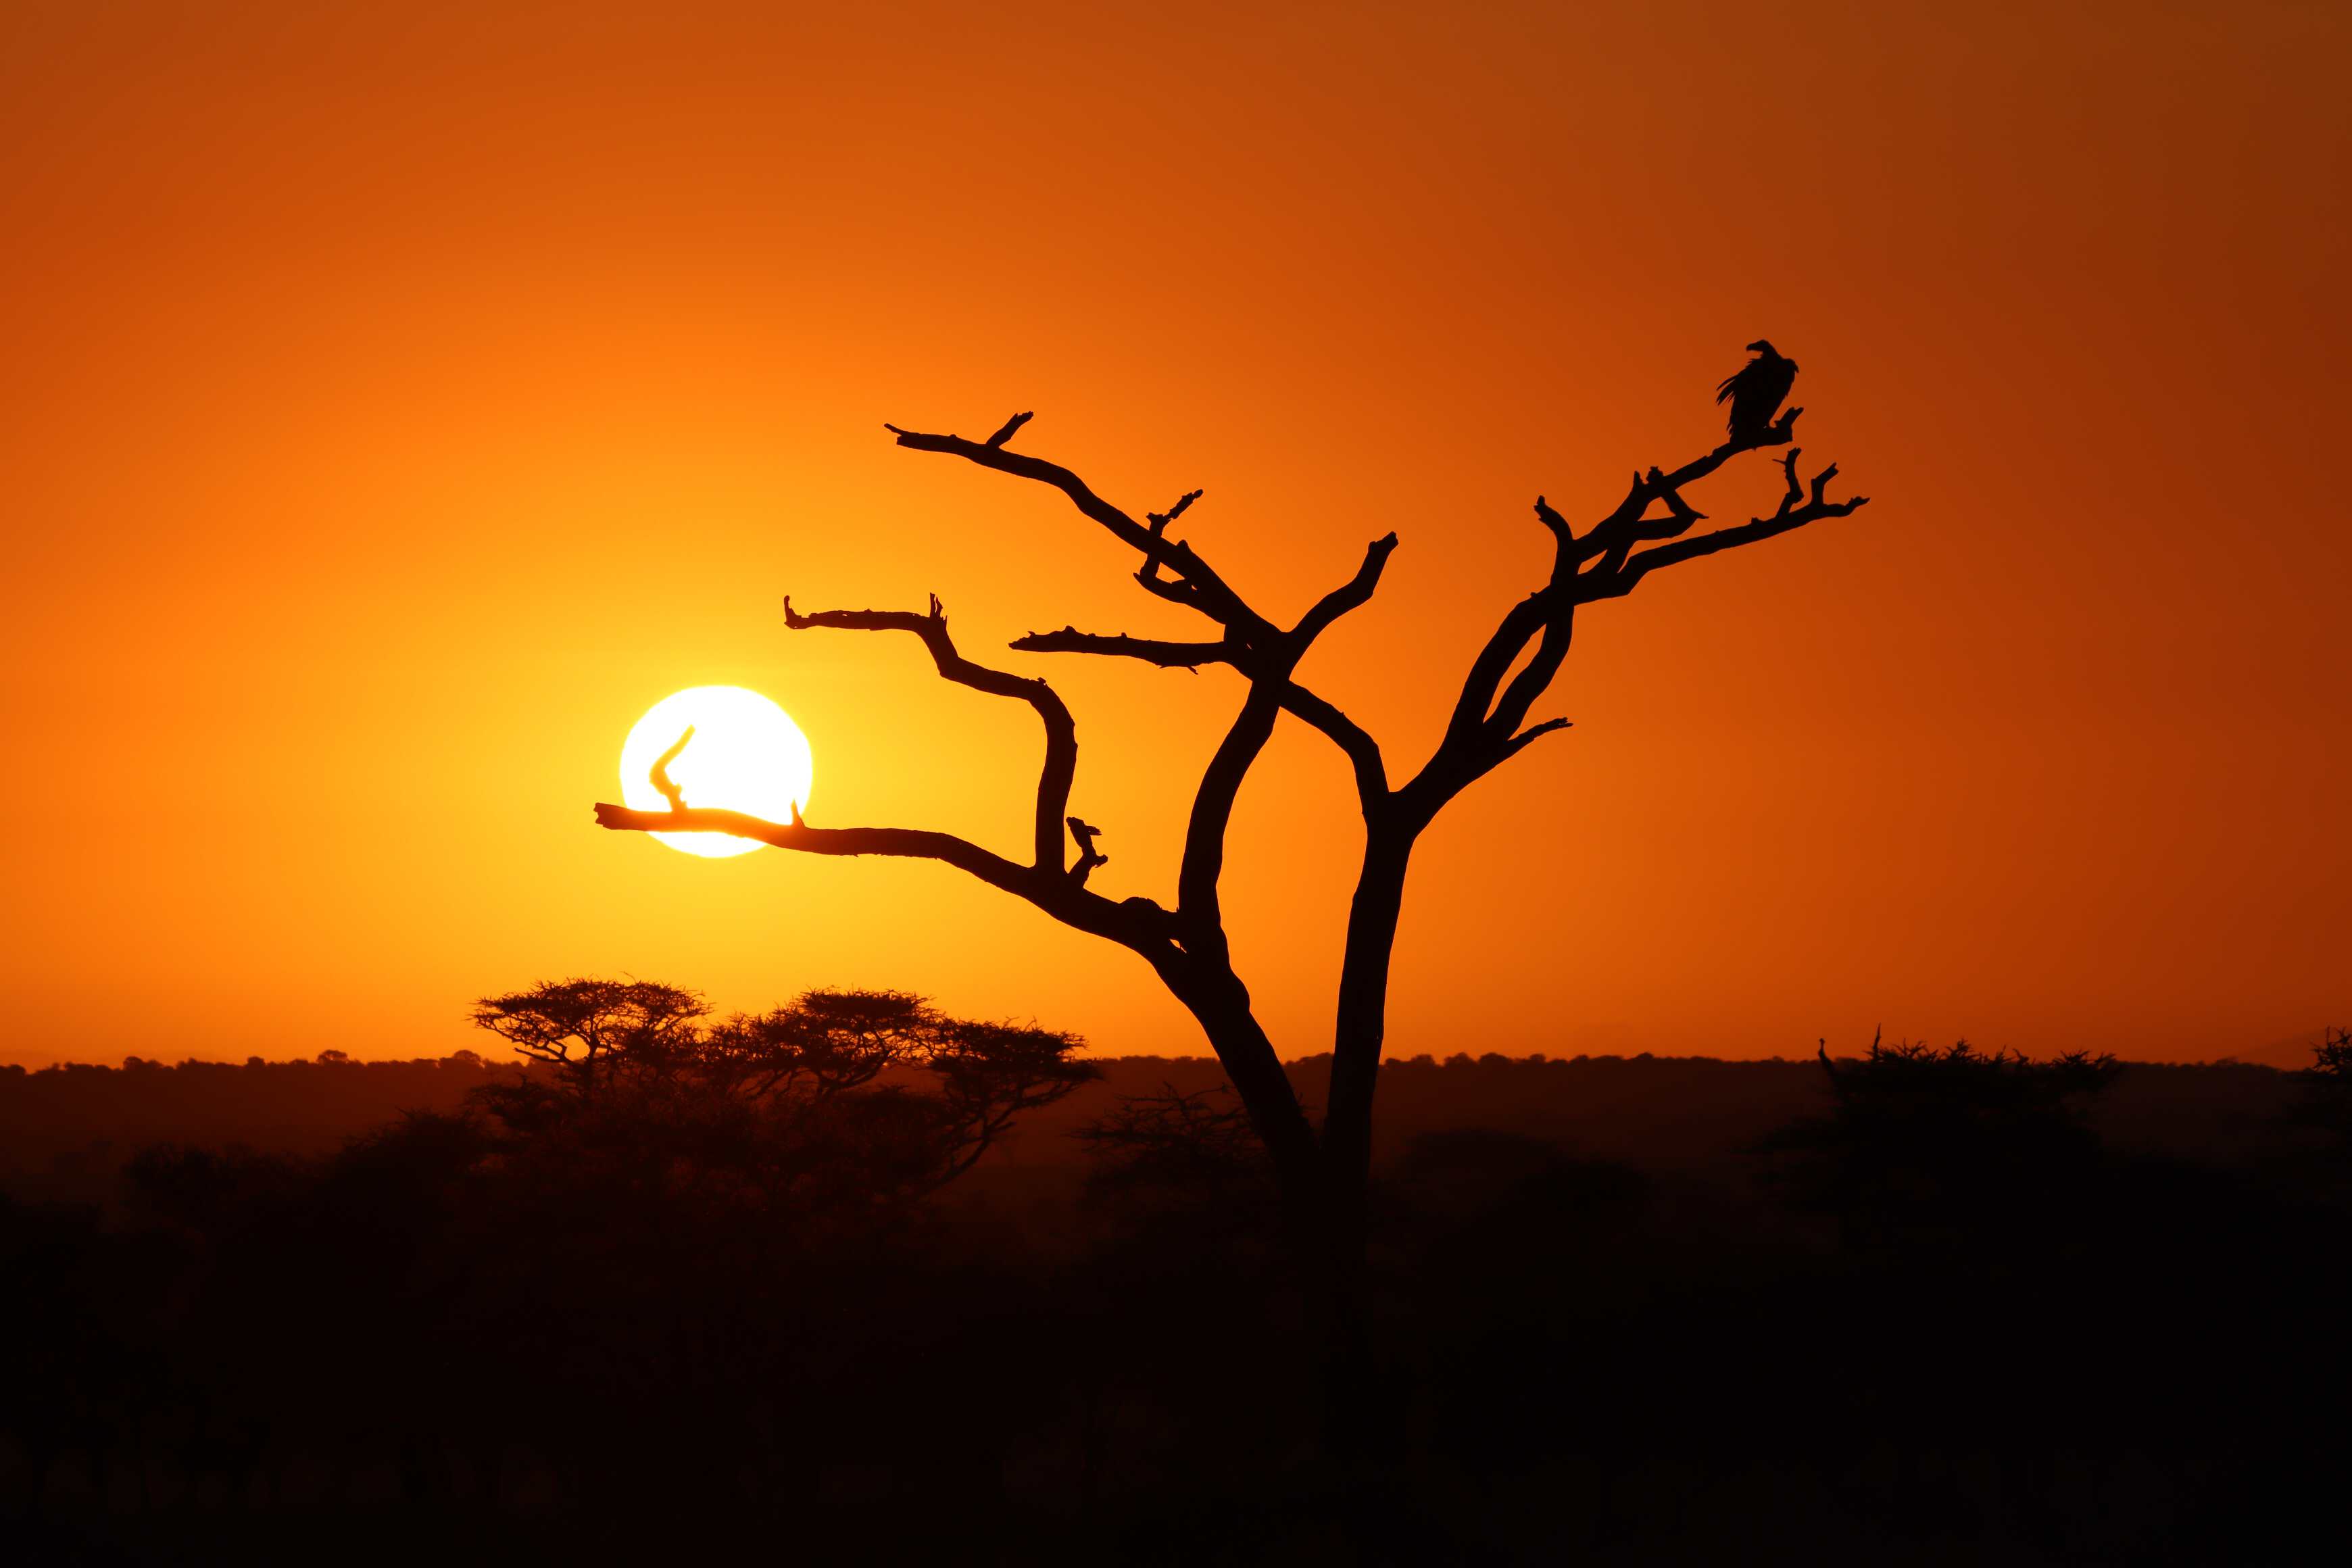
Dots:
(776, 1094)
(1323, 1172)
(579, 1027)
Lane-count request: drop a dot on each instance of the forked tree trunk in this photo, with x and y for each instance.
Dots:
(1325, 1178)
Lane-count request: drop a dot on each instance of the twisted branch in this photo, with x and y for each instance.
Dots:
(1348, 596)
(663, 785)
(1251, 645)
(1196, 583)
(1061, 731)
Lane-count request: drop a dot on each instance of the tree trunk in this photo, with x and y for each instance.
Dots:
(1324, 1180)
(1222, 1006)
(1352, 1410)
(1362, 1025)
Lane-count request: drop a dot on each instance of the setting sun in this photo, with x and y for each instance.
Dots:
(746, 755)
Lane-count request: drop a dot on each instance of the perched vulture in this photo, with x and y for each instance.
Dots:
(1755, 393)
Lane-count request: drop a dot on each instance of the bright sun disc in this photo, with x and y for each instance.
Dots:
(747, 755)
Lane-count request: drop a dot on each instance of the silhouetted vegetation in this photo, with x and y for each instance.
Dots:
(871, 1284)
(1952, 1147)
(2328, 1087)
(1195, 1147)
(789, 1109)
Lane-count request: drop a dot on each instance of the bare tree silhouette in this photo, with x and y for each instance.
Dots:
(1322, 1173)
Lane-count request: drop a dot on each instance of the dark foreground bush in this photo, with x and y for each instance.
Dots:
(667, 1313)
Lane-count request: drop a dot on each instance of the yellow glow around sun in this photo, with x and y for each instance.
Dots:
(747, 755)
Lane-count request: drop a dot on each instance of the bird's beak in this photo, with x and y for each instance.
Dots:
(1759, 346)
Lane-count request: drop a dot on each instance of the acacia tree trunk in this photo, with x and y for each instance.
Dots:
(1258, 1078)
(1362, 1025)
(1351, 1411)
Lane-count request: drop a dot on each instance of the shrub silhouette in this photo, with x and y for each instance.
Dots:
(2326, 1098)
(1177, 1151)
(843, 1100)
(1938, 1147)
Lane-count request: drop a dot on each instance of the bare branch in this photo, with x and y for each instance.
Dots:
(1557, 523)
(1004, 432)
(1271, 692)
(1150, 650)
(1348, 596)
(1502, 649)
(1160, 521)
(1791, 515)
(1680, 515)
(1363, 752)
(1203, 863)
(660, 774)
(1601, 565)
(989, 455)
(1061, 731)
(1535, 678)
(1252, 643)
(901, 843)
(1207, 592)
(1137, 923)
(1478, 737)
(1626, 525)
(1521, 741)
(1796, 491)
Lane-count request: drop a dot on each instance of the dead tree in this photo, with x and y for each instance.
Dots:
(1322, 1172)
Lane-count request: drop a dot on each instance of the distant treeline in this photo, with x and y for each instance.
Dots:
(65, 1130)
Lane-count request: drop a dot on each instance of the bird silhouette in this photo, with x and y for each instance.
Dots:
(1088, 856)
(1755, 393)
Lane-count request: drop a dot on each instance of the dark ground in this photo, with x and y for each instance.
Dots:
(1624, 1314)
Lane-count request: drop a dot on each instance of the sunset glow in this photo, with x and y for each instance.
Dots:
(403, 399)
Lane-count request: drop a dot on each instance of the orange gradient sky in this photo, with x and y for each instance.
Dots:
(397, 405)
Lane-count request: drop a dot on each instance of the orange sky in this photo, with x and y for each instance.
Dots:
(397, 407)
